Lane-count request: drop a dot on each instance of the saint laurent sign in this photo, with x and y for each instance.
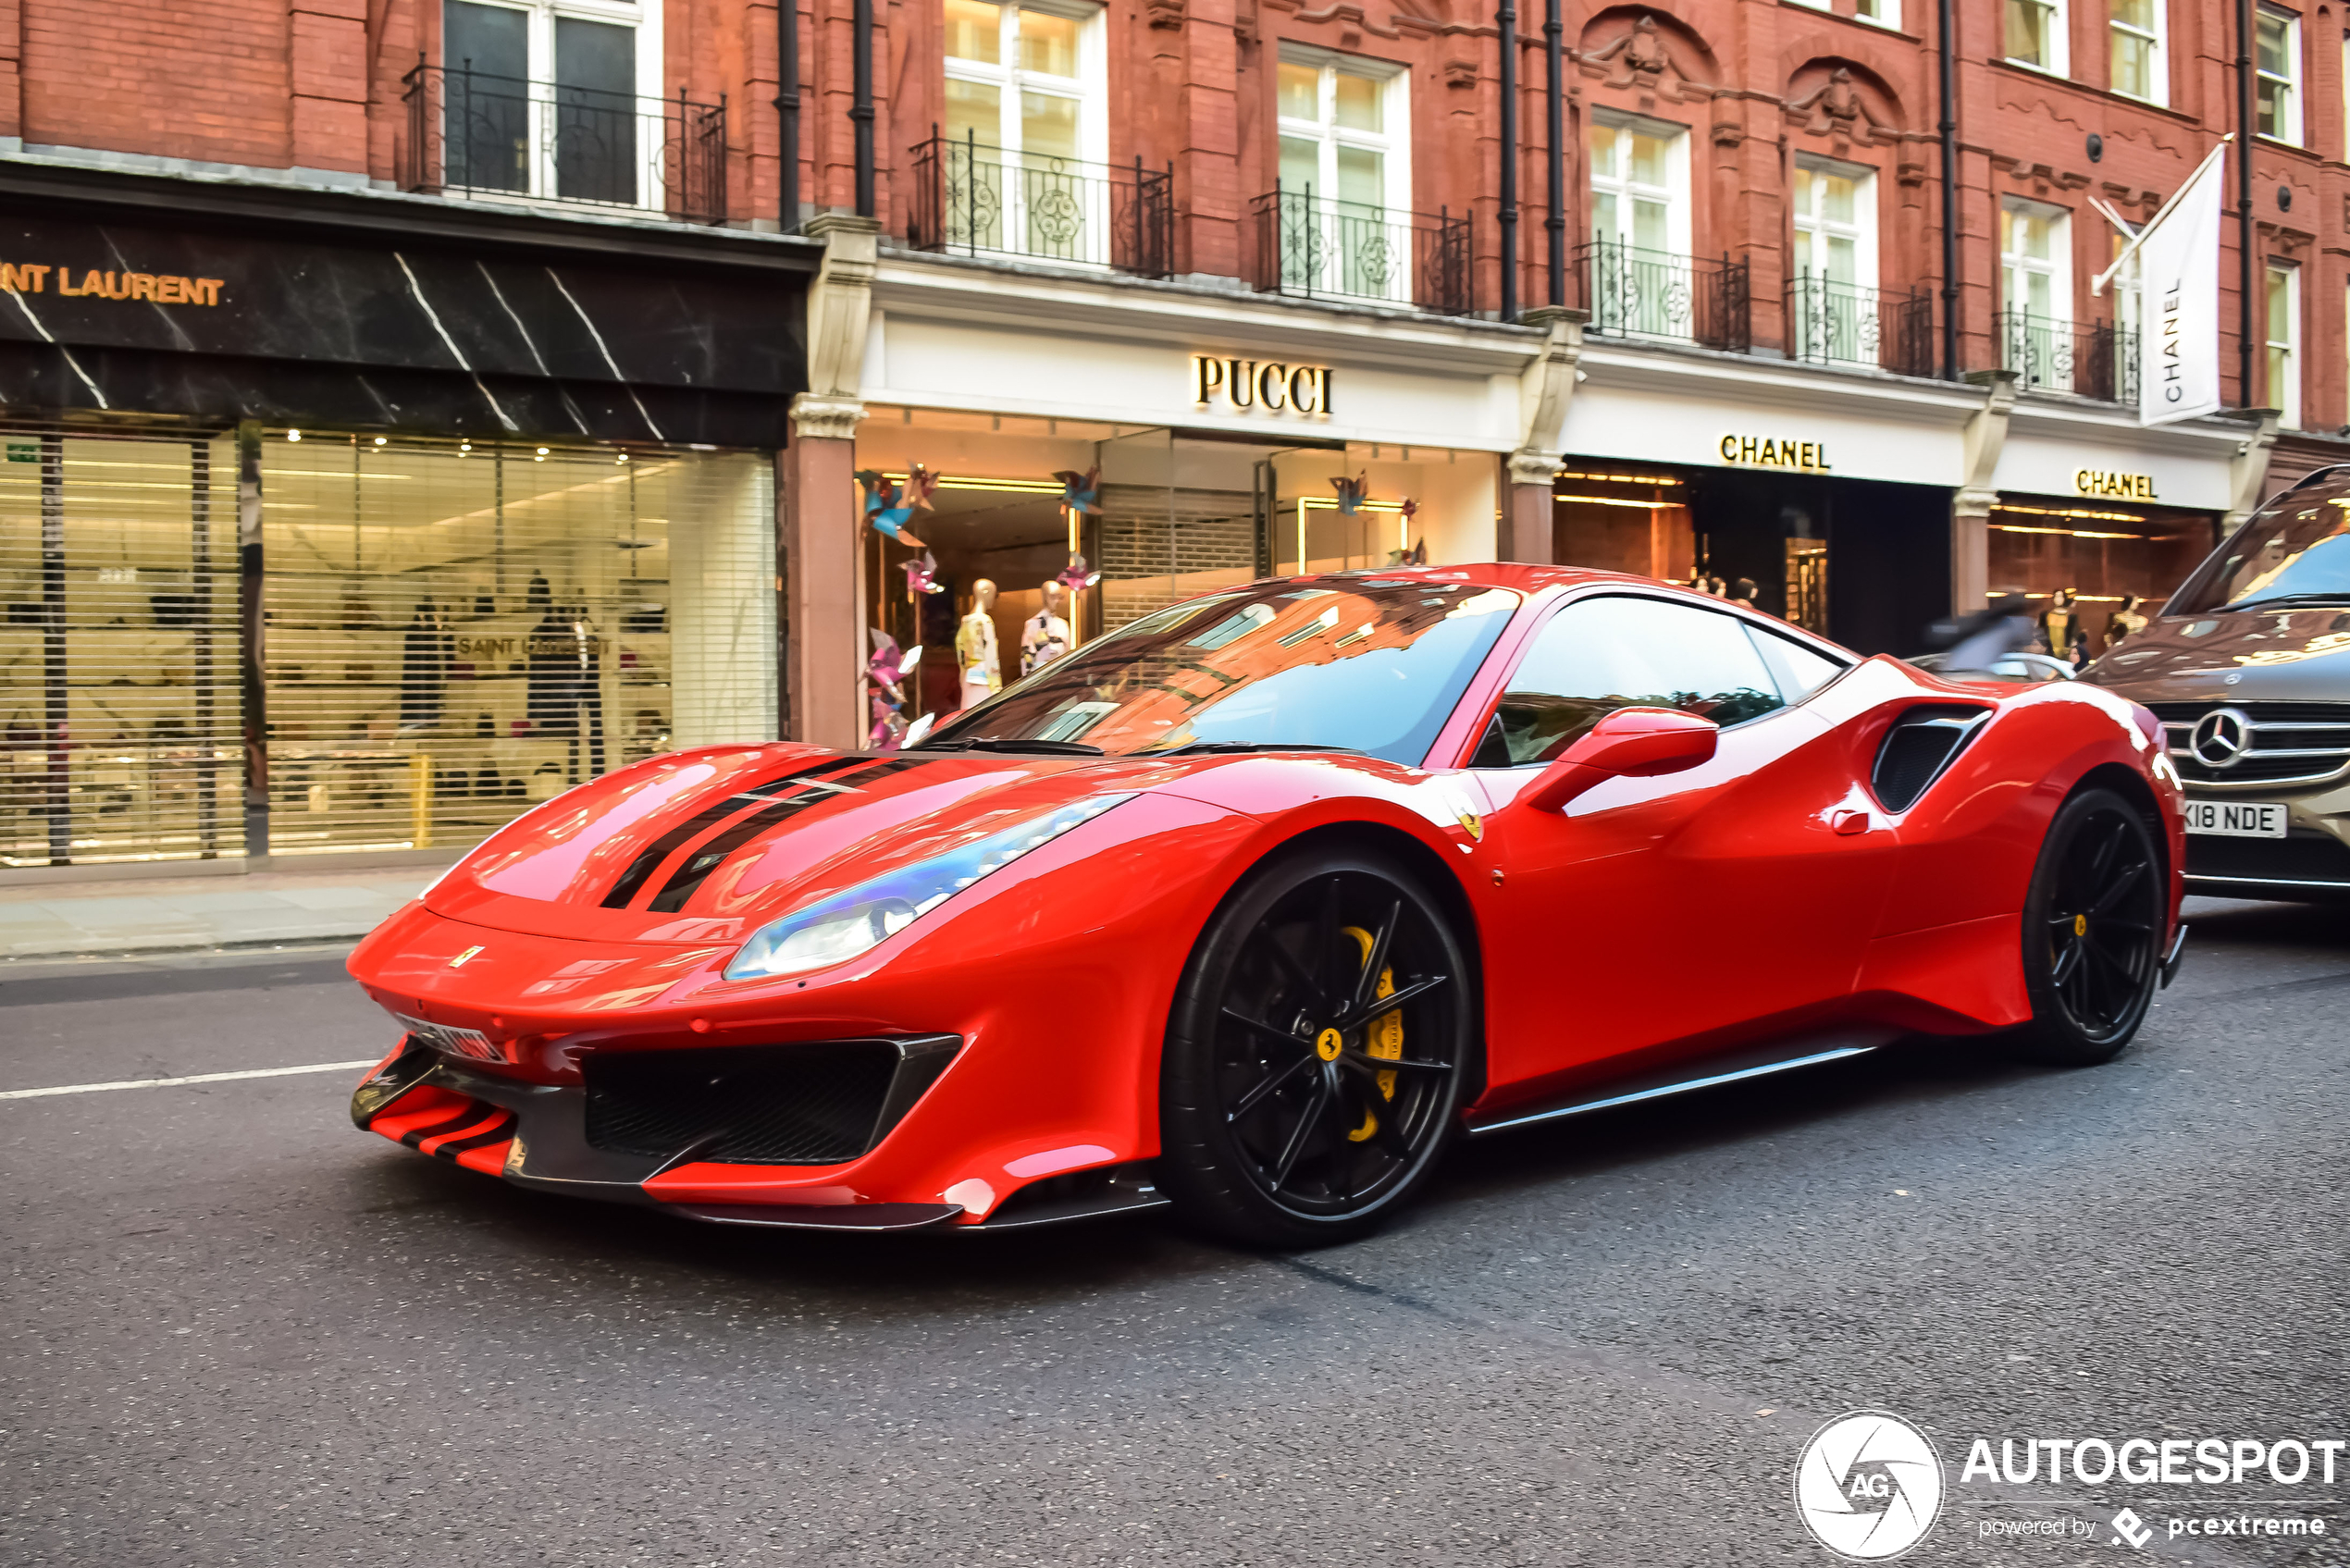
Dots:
(1808, 457)
(1248, 383)
(162, 289)
(2121, 486)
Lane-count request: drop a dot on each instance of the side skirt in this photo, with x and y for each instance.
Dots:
(1805, 1051)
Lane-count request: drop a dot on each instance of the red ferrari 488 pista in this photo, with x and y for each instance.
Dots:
(1253, 905)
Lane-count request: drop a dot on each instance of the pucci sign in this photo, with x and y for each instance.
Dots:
(1271, 385)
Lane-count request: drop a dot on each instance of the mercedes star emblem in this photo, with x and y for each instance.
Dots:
(2221, 738)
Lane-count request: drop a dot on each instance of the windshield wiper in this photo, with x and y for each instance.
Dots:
(2335, 595)
(1001, 743)
(1198, 745)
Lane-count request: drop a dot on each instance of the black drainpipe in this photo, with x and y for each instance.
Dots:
(862, 107)
(1950, 130)
(1508, 19)
(1552, 32)
(787, 107)
(2245, 112)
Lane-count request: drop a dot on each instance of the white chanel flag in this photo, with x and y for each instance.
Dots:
(2179, 319)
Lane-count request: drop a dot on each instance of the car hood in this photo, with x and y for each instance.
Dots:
(2237, 656)
(707, 846)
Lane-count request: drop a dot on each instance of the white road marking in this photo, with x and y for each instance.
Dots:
(176, 1082)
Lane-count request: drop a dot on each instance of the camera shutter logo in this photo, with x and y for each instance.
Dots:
(1867, 1486)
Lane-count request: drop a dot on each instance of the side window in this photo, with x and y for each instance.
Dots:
(1602, 654)
(1797, 669)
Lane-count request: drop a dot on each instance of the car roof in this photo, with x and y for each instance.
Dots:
(1524, 578)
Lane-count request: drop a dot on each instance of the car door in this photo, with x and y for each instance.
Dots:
(1693, 908)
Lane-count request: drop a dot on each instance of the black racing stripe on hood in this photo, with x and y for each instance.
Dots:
(632, 881)
(688, 877)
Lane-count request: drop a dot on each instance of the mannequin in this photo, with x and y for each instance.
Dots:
(1742, 592)
(2125, 623)
(976, 648)
(1045, 635)
(2060, 629)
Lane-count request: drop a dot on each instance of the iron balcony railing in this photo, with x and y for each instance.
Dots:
(2089, 359)
(1633, 292)
(1309, 245)
(1830, 322)
(475, 133)
(981, 200)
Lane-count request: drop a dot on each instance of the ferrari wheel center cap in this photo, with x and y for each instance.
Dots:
(1326, 1044)
(2080, 925)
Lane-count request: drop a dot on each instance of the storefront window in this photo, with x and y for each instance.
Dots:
(457, 631)
(118, 657)
(2105, 554)
(1176, 514)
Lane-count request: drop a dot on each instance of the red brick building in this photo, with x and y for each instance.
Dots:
(1216, 254)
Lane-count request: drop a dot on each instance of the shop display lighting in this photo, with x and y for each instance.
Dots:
(1007, 487)
(379, 440)
(1614, 500)
(2065, 533)
(1621, 478)
(294, 435)
(2073, 511)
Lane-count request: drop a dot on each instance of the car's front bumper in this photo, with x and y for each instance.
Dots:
(541, 1136)
(2311, 863)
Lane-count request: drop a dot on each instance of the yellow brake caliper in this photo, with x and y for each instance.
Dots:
(1383, 1039)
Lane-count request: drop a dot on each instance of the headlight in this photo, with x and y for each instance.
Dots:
(863, 916)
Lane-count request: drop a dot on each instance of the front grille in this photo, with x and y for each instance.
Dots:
(818, 1104)
(2291, 742)
(2303, 857)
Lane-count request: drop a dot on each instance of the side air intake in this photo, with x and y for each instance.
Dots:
(1922, 742)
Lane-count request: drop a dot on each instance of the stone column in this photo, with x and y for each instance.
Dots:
(1545, 386)
(817, 519)
(1985, 434)
(2248, 469)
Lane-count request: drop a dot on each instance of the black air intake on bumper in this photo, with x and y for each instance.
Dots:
(822, 1102)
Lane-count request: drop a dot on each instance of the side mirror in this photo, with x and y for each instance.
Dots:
(1640, 742)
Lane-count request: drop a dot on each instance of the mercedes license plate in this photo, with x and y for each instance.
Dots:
(2236, 819)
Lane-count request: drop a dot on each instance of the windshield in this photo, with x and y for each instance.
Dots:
(2296, 549)
(1362, 665)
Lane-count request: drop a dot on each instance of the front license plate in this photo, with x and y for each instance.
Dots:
(2236, 819)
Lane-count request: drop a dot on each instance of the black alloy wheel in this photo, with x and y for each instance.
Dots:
(2093, 929)
(1316, 1053)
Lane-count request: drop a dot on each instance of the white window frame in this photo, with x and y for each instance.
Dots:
(2059, 32)
(2058, 268)
(642, 17)
(1088, 87)
(2288, 130)
(2048, 357)
(1863, 232)
(1394, 144)
(2158, 40)
(2287, 398)
(1886, 15)
(1675, 192)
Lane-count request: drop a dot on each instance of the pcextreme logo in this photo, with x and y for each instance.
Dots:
(1867, 1486)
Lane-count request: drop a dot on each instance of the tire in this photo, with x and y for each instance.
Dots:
(1282, 1122)
(2093, 923)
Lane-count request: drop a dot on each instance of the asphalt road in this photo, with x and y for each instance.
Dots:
(234, 1331)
